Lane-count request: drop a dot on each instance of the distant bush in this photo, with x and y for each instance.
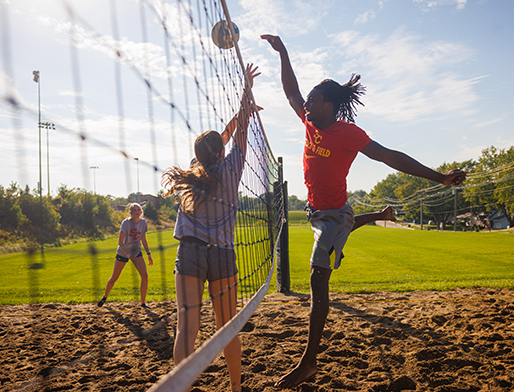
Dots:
(27, 217)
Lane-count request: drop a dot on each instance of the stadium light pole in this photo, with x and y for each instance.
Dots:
(137, 194)
(36, 79)
(48, 126)
(94, 176)
(35, 75)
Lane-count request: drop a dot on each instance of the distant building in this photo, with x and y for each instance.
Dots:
(493, 220)
(469, 219)
(498, 220)
(143, 200)
(117, 207)
(149, 198)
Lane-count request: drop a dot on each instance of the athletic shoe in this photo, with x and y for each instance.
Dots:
(101, 302)
(145, 306)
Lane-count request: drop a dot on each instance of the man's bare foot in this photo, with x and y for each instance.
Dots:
(388, 214)
(296, 376)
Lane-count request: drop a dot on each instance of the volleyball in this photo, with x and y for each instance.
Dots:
(220, 34)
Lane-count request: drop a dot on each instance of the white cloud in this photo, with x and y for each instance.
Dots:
(295, 17)
(469, 152)
(145, 58)
(407, 79)
(311, 67)
(430, 4)
(139, 55)
(502, 142)
(365, 17)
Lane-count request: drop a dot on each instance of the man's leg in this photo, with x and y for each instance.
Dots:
(307, 367)
(363, 219)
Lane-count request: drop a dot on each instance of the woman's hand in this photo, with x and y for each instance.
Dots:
(251, 73)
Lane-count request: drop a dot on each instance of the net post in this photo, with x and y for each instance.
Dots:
(283, 278)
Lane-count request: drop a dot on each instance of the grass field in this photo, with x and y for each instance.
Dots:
(380, 258)
(376, 259)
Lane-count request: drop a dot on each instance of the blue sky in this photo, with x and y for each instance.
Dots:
(438, 76)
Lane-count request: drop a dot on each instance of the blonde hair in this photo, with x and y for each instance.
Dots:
(132, 205)
(193, 185)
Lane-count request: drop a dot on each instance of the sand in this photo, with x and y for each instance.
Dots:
(460, 340)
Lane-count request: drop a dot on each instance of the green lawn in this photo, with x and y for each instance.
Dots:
(376, 259)
(297, 217)
(71, 274)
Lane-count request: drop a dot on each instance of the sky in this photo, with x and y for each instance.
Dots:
(438, 77)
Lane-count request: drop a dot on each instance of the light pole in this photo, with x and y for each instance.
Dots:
(94, 176)
(455, 209)
(421, 211)
(48, 126)
(36, 79)
(137, 194)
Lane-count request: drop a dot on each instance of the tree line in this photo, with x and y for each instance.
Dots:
(489, 186)
(28, 218)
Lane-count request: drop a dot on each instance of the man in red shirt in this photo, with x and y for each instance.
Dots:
(331, 144)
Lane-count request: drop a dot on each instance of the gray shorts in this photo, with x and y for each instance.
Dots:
(331, 230)
(206, 262)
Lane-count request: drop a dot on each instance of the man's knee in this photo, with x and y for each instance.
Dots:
(320, 277)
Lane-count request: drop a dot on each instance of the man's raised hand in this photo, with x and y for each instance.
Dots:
(275, 42)
(454, 177)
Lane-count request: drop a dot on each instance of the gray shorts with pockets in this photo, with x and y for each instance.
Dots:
(331, 230)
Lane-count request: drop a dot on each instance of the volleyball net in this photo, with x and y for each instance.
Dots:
(139, 81)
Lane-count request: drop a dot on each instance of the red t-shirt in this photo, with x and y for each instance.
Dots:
(328, 155)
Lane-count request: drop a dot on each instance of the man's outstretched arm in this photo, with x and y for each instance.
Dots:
(404, 163)
(289, 82)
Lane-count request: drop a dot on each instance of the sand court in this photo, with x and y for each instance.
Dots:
(459, 340)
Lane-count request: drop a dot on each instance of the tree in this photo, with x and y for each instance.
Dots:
(42, 220)
(119, 201)
(84, 213)
(355, 198)
(11, 216)
(295, 204)
(401, 191)
(150, 211)
(446, 201)
(492, 183)
(411, 193)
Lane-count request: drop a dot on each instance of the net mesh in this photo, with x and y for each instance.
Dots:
(142, 85)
